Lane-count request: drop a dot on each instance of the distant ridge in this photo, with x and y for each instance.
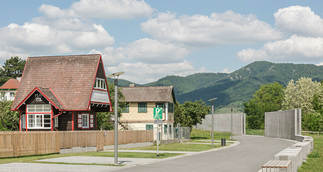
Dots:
(237, 87)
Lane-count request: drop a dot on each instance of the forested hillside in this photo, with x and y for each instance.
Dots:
(237, 87)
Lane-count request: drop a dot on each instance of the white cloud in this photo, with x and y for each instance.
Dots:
(103, 9)
(319, 64)
(153, 51)
(42, 38)
(143, 73)
(200, 30)
(294, 49)
(299, 20)
(144, 50)
(225, 70)
(111, 56)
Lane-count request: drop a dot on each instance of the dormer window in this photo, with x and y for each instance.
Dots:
(100, 84)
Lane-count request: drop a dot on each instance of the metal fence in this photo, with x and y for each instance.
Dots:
(182, 133)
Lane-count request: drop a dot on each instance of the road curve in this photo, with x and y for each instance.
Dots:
(248, 156)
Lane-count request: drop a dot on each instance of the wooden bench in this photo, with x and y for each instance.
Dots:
(277, 166)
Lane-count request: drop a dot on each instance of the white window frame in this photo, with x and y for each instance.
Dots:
(87, 120)
(100, 84)
(33, 107)
(56, 121)
(36, 123)
(12, 94)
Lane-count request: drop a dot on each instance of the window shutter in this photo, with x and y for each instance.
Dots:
(91, 120)
(79, 121)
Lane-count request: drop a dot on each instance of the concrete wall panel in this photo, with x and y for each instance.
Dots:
(222, 123)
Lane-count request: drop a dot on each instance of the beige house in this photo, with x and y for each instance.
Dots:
(141, 101)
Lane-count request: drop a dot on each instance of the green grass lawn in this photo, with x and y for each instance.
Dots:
(179, 147)
(205, 135)
(314, 162)
(260, 132)
(34, 158)
(196, 137)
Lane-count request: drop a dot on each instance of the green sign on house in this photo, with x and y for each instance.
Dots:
(158, 113)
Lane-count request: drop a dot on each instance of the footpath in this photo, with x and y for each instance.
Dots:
(247, 154)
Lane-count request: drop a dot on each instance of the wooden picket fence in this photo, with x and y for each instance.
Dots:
(13, 144)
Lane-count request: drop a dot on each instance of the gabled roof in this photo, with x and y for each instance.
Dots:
(10, 84)
(68, 79)
(148, 94)
(48, 94)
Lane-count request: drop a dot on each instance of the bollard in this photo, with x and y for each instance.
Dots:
(223, 142)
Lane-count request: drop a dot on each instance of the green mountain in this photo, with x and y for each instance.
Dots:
(239, 86)
(189, 83)
(121, 82)
(233, 89)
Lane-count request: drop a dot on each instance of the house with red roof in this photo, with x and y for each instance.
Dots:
(8, 90)
(62, 93)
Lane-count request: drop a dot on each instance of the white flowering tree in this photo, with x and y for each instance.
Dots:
(300, 94)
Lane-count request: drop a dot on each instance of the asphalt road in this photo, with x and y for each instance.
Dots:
(248, 156)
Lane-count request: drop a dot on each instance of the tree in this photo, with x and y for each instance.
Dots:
(300, 94)
(255, 114)
(190, 113)
(9, 119)
(180, 117)
(104, 118)
(12, 68)
(268, 98)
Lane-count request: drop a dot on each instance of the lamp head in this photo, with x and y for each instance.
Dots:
(115, 74)
(212, 99)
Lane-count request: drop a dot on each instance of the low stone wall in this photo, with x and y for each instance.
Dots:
(222, 123)
(296, 154)
(287, 125)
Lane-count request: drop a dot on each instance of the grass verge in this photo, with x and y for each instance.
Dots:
(205, 134)
(260, 132)
(196, 137)
(34, 158)
(314, 161)
(179, 147)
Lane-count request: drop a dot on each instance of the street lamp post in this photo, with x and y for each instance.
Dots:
(231, 123)
(116, 76)
(212, 100)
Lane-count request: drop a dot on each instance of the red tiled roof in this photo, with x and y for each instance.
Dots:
(148, 94)
(10, 84)
(68, 78)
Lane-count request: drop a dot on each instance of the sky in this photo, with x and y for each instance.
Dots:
(151, 39)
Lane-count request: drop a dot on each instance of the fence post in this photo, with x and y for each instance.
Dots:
(36, 143)
(99, 141)
(14, 142)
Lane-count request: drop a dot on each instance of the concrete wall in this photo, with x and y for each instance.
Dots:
(283, 124)
(222, 123)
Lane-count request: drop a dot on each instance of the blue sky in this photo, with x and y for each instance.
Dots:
(151, 39)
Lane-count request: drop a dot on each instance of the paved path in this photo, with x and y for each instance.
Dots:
(248, 156)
